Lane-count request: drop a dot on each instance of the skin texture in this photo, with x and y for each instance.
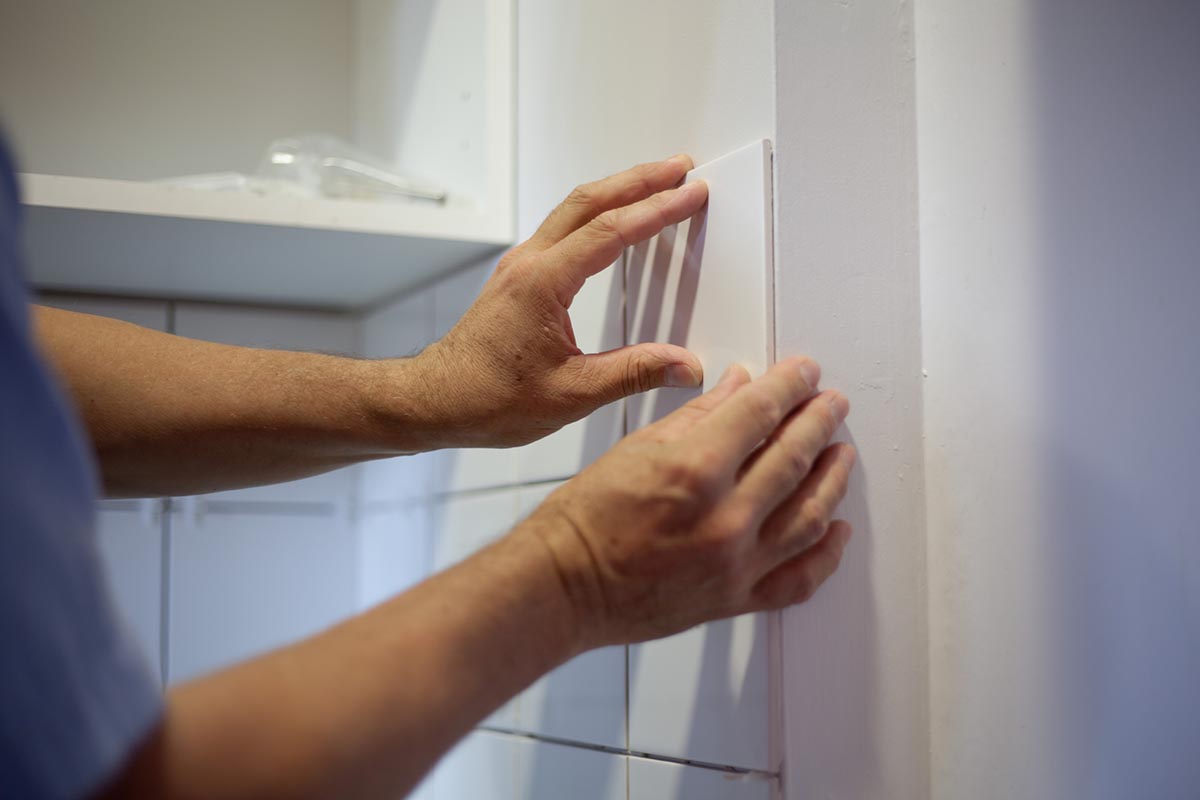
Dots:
(723, 507)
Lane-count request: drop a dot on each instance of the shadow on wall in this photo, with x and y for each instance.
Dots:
(715, 698)
(1118, 163)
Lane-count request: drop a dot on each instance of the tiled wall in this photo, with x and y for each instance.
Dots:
(617, 722)
(209, 580)
(206, 581)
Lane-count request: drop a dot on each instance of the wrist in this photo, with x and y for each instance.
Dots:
(571, 569)
(405, 403)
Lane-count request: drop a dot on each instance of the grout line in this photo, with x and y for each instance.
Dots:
(164, 602)
(619, 751)
(452, 494)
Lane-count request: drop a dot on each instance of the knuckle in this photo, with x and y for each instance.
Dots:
(762, 409)
(693, 473)
(582, 197)
(811, 522)
(608, 226)
(798, 463)
(638, 375)
(804, 588)
(829, 421)
(737, 521)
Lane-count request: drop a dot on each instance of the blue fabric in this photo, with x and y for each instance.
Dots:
(75, 694)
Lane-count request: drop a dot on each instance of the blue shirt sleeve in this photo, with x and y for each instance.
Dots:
(76, 696)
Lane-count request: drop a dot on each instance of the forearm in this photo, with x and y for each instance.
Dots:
(169, 415)
(365, 709)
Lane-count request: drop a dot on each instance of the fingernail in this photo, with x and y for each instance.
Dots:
(811, 372)
(840, 406)
(681, 376)
(848, 455)
(683, 159)
(728, 374)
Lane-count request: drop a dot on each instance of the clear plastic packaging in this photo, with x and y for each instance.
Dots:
(328, 166)
(316, 165)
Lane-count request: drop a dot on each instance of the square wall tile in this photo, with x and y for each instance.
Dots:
(584, 699)
(395, 552)
(242, 584)
(470, 470)
(706, 284)
(308, 331)
(661, 780)
(483, 766)
(131, 548)
(463, 525)
(597, 317)
(704, 695)
(549, 771)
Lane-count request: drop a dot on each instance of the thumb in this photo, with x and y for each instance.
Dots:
(640, 367)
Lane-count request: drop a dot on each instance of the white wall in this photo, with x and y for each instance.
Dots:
(855, 657)
(224, 79)
(1060, 226)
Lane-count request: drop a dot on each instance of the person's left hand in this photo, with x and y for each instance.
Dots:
(510, 371)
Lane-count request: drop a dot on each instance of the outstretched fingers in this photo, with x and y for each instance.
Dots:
(599, 243)
(755, 410)
(797, 579)
(589, 200)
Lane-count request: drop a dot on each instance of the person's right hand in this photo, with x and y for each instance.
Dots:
(721, 508)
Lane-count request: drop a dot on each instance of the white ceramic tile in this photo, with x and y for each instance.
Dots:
(462, 525)
(707, 283)
(470, 470)
(704, 694)
(394, 552)
(660, 780)
(277, 329)
(584, 699)
(131, 548)
(242, 584)
(597, 316)
(549, 771)
(483, 766)
(147, 313)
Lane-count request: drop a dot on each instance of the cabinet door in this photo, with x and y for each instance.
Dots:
(705, 695)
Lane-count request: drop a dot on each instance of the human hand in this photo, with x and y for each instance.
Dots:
(510, 371)
(721, 508)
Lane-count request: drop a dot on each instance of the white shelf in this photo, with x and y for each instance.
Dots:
(123, 95)
(125, 237)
